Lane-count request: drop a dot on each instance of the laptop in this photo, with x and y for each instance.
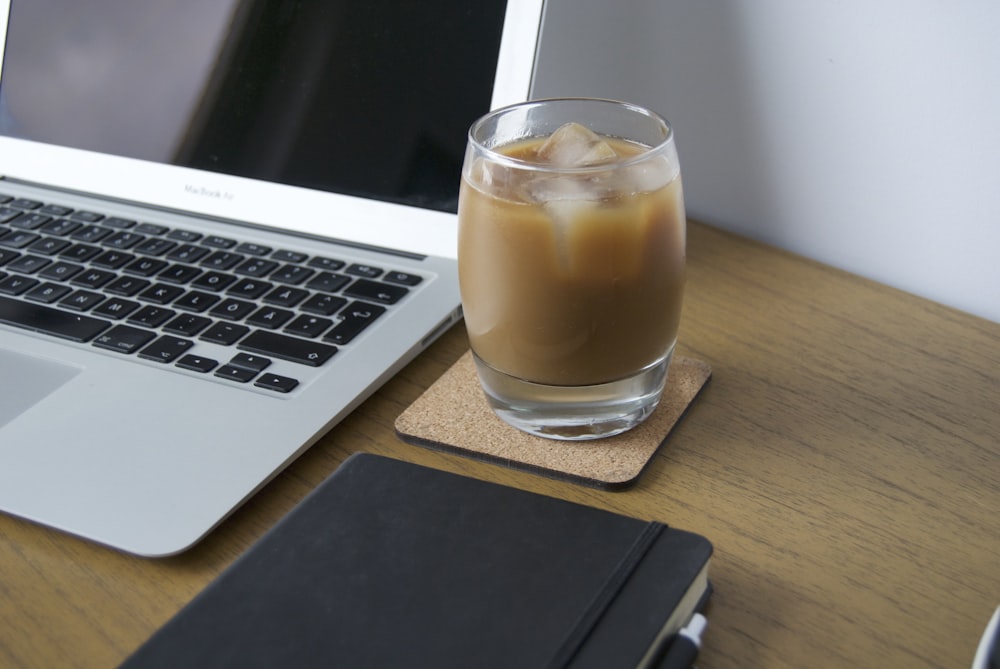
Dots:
(223, 225)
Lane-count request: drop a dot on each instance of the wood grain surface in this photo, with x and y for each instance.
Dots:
(844, 461)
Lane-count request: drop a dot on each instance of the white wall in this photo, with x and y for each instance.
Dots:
(865, 134)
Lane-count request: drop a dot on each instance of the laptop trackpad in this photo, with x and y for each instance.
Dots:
(26, 380)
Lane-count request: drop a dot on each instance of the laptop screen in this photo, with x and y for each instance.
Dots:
(368, 98)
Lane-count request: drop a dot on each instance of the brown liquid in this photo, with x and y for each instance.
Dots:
(589, 301)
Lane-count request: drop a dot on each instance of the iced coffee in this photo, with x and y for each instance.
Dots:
(571, 263)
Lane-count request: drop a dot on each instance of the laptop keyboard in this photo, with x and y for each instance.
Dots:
(153, 291)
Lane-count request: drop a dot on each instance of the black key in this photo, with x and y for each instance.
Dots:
(86, 216)
(196, 300)
(118, 223)
(112, 259)
(61, 227)
(93, 278)
(328, 282)
(49, 246)
(60, 271)
(29, 221)
(289, 256)
(124, 339)
(18, 239)
(292, 274)
(184, 235)
(81, 300)
(222, 260)
(151, 316)
(91, 233)
(16, 284)
(116, 308)
(357, 316)
(382, 293)
(47, 293)
(256, 267)
(126, 286)
(145, 266)
(403, 278)
(166, 349)
(25, 203)
(28, 264)
(366, 271)
(154, 246)
(179, 273)
(8, 213)
(55, 322)
(329, 264)
(253, 249)
(161, 293)
(151, 229)
(196, 363)
(123, 240)
(250, 289)
(187, 324)
(308, 326)
(80, 252)
(256, 363)
(218, 242)
(283, 296)
(281, 384)
(233, 310)
(234, 373)
(271, 318)
(325, 305)
(280, 346)
(55, 210)
(187, 253)
(225, 333)
(215, 281)
(7, 256)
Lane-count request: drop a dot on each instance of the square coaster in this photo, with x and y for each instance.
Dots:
(453, 415)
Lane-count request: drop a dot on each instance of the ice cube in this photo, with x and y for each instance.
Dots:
(575, 145)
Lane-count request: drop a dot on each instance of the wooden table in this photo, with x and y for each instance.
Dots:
(844, 460)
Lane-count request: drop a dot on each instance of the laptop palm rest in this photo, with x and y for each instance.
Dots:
(27, 381)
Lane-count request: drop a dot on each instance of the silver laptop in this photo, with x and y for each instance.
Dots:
(224, 224)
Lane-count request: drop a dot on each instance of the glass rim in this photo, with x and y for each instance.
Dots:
(517, 163)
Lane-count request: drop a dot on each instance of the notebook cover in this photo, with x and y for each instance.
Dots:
(391, 564)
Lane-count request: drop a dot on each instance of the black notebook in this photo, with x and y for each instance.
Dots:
(391, 564)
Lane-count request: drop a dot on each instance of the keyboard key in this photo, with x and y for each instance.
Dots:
(281, 384)
(151, 229)
(29, 221)
(250, 289)
(118, 223)
(145, 266)
(187, 324)
(86, 216)
(366, 271)
(80, 252)
(123, 240)
(271, 318)
(309, 326)
(151, 316)
(214, 281)
(179, 274)
(403, 278)
(93, 278)
(292, 274)
(116, 308)
(196, 363)
(328, 282)
(222, 260)
(61, 227)
(47, 293)
(18, 239)
(187, 253)
(124, 339)
(50, 246)
(280, 346)
(256, 363)
(234, 373)
(81, 300)
(91, 233)
(225, 334)
(55, 322)
(256, 267)
(196, 300)
(16, 284)
(126, 286)
(325, 305)
(283, 296)
(382, 293)
(357, 316)
(166, 349)
(218, 242)
(7, 256)
(184, 235)
(289, 256)
(28, 264)
(161, 293)
(155, 246)
(253, 249)
(55, 210)
(233, 310)
(60, 271)
(25, 203)
(329, 264)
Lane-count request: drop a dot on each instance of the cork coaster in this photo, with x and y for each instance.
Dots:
(453, 415)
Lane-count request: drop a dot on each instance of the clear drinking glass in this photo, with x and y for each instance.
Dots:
(571, 258)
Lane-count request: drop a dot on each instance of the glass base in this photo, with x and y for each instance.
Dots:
(574, 413)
